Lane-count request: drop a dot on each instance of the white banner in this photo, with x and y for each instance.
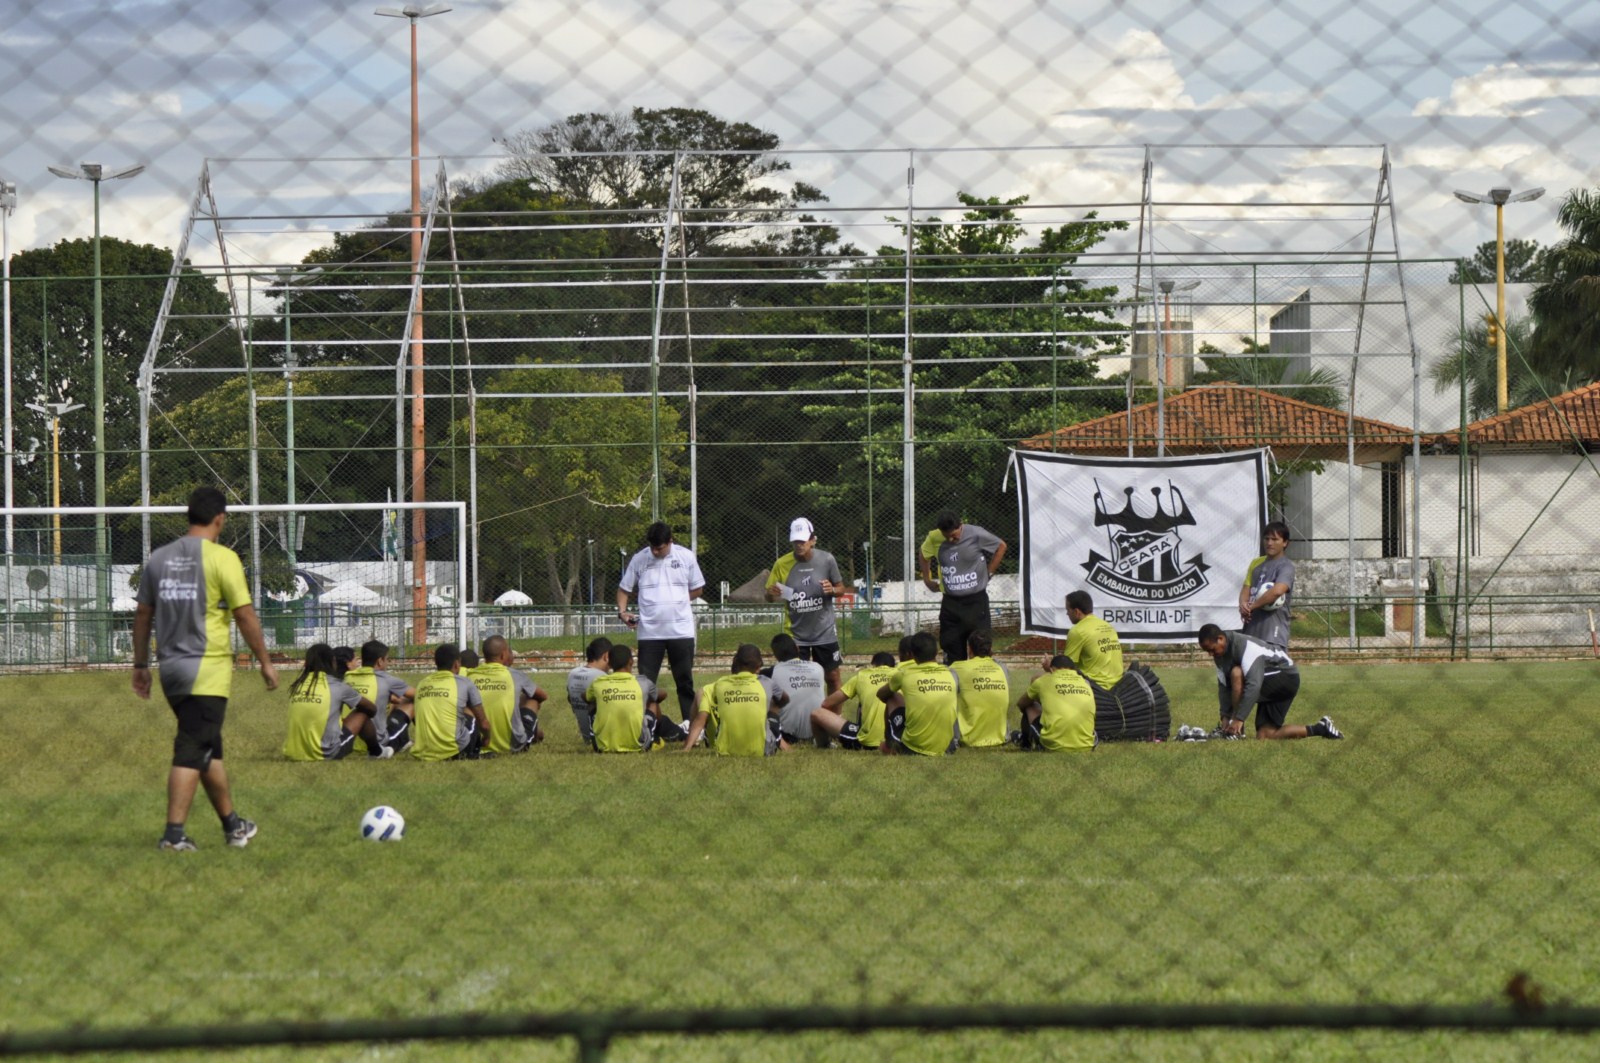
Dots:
(1161, 544)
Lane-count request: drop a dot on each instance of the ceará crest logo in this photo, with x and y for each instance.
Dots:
(1146, 562)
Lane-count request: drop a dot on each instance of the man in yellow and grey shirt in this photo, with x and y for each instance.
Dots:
(920, 703)
(1092, 645)
(866, 731)
(450, 723)
(511, 699)
(187, 592)
(738, 712)
(983, 694)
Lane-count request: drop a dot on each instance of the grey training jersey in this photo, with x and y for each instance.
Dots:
(802, 681)
(964, 565)
(1271, 627)
(811, 613)
(192, 585)
(578, 681)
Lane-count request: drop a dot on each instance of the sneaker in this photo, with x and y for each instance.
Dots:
(1220, 735)
(1014, 738)
(1325, 728)
(385, 753)
(240, 836)
(182, 845)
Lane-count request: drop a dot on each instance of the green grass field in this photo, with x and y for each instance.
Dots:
(1450, 842)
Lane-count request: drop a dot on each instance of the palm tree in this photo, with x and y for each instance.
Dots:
(1470, 355)
(1566, 308)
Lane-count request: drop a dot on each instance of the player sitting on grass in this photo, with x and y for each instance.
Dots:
(450, 723)
(1058, 710)
(316, 700)
(627, 709)
(803, 682)
(738, 713)
(983, 694)
(919, 702)
(511, 699)
(866, 731)
(388, 693)
(1254, 675)
(578, 681)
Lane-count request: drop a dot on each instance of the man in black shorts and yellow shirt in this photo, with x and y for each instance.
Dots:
(187, 591)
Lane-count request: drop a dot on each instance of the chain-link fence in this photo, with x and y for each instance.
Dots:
(725, 266)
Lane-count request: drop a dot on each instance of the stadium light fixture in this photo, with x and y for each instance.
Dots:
(94, 173)
(419, 464)
(8, 203)
(53, 412)
(1500, 197)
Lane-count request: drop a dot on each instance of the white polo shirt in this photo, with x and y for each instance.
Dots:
(662, 586)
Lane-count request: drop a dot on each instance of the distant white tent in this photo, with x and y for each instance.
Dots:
(513, 597)
(124, 604)
(353, 594)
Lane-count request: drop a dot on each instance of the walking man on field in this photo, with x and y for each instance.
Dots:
(808, 581)
(664, 578)
(186, 593)
(967, 556)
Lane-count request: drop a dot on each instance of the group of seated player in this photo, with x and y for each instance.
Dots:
(471, 708)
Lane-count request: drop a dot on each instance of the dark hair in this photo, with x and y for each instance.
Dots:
(784, 648)
(883, 659)
(319, 661)
(980, 642)
(924, 647)
(597, 649)
(372, 652)
(1209, 633)
(1061, 662)
(469, 658)
(947, 521)
(1277, 526)
(658, 534)
(620, 657)
(342, 657)
(905, 647)
(493, 647)
(446, 656)
(206, 504)
(1080, 601)
(747, 658)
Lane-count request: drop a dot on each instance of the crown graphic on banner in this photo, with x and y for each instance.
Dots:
(1129, 520)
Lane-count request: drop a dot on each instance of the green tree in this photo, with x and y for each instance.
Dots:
(1566, 307)
(1004, 332)
(1471, 357)
(1526, 263)
(556, 473)
(729, 177)
(53, 357)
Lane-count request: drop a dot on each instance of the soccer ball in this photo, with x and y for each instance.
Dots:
(383, 824)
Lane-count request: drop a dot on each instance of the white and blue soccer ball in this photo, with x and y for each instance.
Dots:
(383, 824)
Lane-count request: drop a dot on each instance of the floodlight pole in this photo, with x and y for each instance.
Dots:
(94, 173)
(1500, 197)
(53, 412)
(419, 455)
(8, 203)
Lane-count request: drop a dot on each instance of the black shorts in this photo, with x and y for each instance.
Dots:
(827, 655)
(850, 737)
(199, 738)
(1277, 694)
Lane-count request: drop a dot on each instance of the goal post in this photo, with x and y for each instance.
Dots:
(346, 582)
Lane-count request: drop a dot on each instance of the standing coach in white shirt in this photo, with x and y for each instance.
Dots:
(665, 578)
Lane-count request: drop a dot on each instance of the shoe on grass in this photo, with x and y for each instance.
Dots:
(240, 836)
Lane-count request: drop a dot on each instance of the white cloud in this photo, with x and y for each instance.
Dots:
(167, 103)
(1510, 90)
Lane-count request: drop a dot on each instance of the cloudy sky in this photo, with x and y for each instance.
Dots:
(1469, 94)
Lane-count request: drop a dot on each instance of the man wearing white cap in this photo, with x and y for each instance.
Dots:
(808, 580)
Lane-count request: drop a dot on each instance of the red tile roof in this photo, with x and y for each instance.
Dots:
(1223, 417)
(1567, 418)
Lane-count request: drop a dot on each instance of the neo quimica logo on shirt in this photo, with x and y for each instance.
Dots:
(1146, 562)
